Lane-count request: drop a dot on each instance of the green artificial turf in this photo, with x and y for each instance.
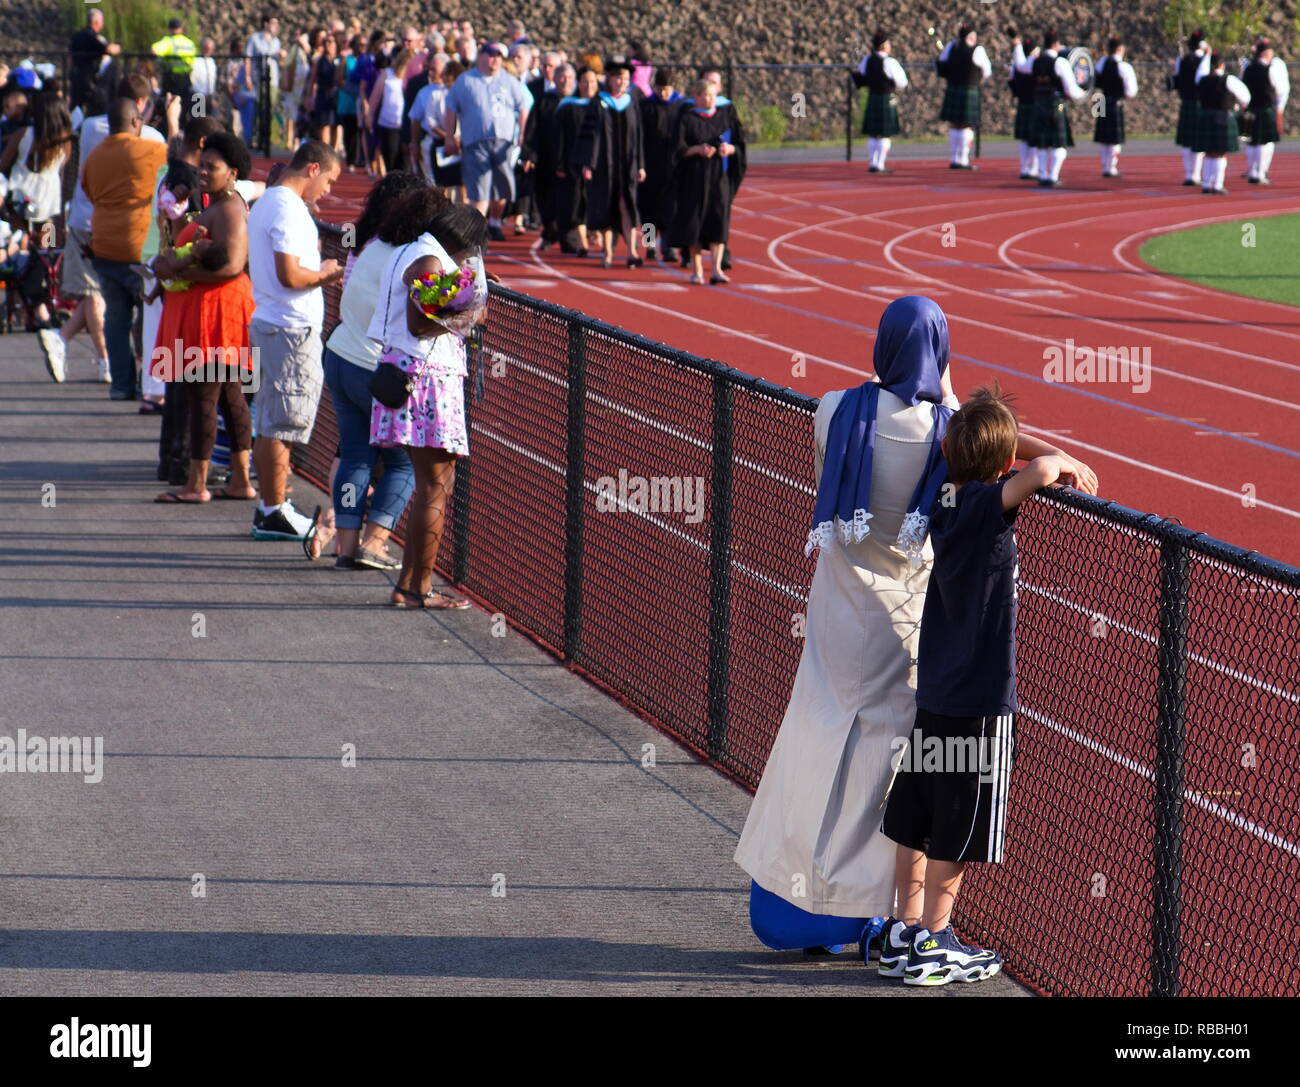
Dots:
(1219, 256)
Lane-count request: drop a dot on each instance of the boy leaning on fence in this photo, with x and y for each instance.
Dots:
(947, 811)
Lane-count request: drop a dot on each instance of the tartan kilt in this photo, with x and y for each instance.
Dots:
(1049, 123)
(961, 105)
(1216, 132)
(1264, 127)
(1188, 110)
(881, 118)
(1109, 128)
(1023, 112)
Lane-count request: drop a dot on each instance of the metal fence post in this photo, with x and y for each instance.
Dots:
(848, 120)
(720, 569)
(1171, 656)
(574, 490)
(461, 492)
(264, 104)
(731, 79)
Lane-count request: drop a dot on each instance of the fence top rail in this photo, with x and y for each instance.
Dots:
(1166, 530)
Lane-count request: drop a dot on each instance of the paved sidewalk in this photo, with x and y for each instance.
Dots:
(478, 757)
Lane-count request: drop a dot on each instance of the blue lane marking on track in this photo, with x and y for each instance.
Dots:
(759, 300)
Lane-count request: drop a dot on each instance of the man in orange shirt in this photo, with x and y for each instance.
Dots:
(118, 178)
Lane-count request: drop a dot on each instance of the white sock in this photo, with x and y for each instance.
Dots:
(1105, 158)
(954, 145)
(1221, 172)
(1265, 158)
(884, 150)
(1114, 157)
(1028, 160)
(267, 510)
(967, 142)
(1252, 160)
(1044, 165)
(1198, 163)
(873, 147)
(1058, 160)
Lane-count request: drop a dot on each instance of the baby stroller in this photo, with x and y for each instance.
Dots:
(30, 275)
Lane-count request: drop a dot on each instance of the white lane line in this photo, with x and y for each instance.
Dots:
(1142, 770)
(1005, 255)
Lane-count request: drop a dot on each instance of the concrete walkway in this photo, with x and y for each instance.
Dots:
(477, 759)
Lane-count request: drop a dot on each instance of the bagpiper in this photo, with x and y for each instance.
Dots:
(1049, 124)
(1269, 84)
(1218, 95)
(1115, 80)
(883, 76)
(1022, 89)
(1187, 70)
(965, 66)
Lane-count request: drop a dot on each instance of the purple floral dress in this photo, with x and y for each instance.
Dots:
(434, 416)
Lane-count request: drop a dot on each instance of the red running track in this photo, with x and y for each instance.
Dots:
(821, 249)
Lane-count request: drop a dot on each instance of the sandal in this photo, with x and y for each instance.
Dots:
(149, 407)
(311, 535)
(605, 262)
(224, 495)
(715, 279)
(432, 600)
(696, 279)
(173, 498)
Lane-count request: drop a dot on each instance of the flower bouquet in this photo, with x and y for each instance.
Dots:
(453, 299)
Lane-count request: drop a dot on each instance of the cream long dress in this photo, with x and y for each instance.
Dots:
(813, 832)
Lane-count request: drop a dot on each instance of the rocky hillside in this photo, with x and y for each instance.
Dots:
(791, 104)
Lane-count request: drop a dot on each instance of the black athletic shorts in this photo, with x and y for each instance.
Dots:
(949, 794)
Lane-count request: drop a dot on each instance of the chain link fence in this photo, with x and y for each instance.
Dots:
(640, 512)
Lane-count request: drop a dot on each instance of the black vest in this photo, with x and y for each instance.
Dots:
(1212, 92)
(1108, 79)
(1046, 81)
(1022, 85)
(874, 77)
(1185, 78)
(1262, 95)
(960, 67)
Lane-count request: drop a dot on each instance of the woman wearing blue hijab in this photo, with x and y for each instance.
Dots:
(823, 874)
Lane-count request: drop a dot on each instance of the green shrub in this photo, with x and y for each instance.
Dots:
(134, 24)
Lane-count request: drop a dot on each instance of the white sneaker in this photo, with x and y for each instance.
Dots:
(286, 523)
(56, 352)
(105, 374)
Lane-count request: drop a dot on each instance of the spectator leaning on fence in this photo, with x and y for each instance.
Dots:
(288, 273)
(486, 114)
(350, 359)
(119, 177)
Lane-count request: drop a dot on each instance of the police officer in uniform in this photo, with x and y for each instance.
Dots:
(1022, 90)
(882, 75)
(1217, 95)
(965, 66)
(176, 53)
(1187, 70)
(1269, 84)
(1115, 80)
(1049, 123)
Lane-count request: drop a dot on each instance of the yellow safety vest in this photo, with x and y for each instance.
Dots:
(178, 52)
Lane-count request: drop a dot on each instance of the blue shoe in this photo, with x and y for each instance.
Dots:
(895, 944)
(938, 958)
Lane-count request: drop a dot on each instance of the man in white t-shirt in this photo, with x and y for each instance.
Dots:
(284, 334)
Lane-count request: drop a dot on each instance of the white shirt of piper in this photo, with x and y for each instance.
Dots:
(23, 754)
(280, 223)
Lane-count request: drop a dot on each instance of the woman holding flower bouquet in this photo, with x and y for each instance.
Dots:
(432, 292)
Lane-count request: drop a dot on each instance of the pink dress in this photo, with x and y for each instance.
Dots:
(434, 416)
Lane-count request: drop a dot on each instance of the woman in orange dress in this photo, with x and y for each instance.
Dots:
(203, 334)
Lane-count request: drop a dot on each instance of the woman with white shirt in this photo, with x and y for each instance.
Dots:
(349, 359)
(35, 161)
(430, 423)
(386, 103)
(823, 874)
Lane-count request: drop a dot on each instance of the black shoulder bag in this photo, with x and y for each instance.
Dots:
(390, 384)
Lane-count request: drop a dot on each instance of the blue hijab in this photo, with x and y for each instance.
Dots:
(910, 357)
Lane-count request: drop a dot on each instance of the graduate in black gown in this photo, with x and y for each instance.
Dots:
(538, 154)
(660, 113)
(572, 137)
(703, 197)
(617, 166)
(734, 133)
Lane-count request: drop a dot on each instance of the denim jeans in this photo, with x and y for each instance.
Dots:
(349, 389)
(122, 288)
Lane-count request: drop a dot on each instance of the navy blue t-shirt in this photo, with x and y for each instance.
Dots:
(966, 663)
